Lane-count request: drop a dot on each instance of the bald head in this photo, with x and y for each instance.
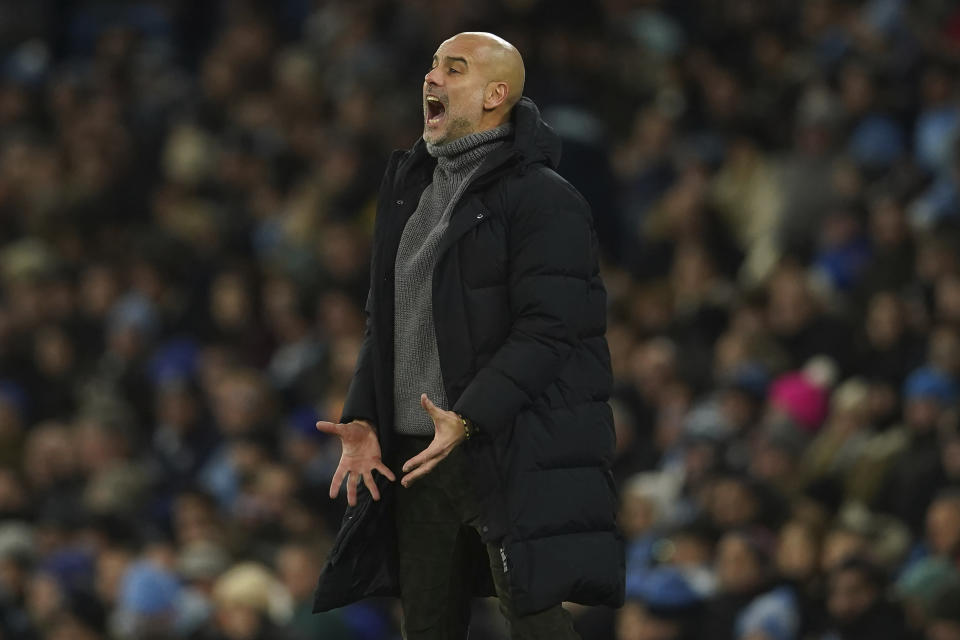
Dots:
(497, 59)
(475, 80)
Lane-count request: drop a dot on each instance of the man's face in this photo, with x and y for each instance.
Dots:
(737, 567)
(922, 414)
(453, 91)
(943, 630)
(943, 526)
(851, 595)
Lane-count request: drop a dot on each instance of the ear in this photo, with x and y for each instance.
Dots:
(495, 94)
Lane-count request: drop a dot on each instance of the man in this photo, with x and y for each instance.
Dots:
(858, 606)
(484, 374)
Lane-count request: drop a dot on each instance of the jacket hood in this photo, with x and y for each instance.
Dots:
(534, 142)
(534, 139)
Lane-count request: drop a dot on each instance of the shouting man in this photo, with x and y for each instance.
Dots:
(483, 378)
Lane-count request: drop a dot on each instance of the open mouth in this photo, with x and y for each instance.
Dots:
(435, 111)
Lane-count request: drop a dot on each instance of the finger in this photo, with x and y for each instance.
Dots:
(427, 454)
(418, 459)
(351, 490)
(336, 482)
(428, 405)
(411, 477)
(328, 427)
(385, 470)
(371, 485)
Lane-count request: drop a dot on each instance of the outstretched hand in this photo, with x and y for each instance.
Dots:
(361, 455)
(447, 433)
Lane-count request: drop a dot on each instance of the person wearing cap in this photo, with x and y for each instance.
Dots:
(916, 473)
(662, 605)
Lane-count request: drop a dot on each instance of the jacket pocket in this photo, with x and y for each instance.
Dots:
(354, 517)
(349, 524)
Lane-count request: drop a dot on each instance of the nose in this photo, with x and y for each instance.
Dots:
(433, 76)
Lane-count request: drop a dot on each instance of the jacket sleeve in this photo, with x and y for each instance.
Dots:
(552, 259)
(361, 402)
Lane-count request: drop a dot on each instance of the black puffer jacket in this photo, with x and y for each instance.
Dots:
(519, 311)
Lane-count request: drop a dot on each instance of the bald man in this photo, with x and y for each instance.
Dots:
(483, 378)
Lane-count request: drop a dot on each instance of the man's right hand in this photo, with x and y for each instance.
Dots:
(361, 455)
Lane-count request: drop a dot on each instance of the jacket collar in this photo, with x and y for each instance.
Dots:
(533, 142)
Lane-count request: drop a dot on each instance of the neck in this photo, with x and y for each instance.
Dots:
(468, 149)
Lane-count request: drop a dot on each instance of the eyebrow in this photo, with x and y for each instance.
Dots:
(450, 59)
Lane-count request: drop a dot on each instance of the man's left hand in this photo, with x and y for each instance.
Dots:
(447, 433)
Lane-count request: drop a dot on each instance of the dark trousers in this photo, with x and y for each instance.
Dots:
(436, 519)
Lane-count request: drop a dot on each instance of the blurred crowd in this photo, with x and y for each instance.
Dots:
(186, 199)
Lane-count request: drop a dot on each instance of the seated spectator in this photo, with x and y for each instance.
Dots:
(921, 584)
(915, 473)
(859, 531)
(797, 563)
(663, 606)
(690, 548)
(837, 449)
(857, 604)
(772, 616)
(298, 567)
(800, 324)
(944, 617)
(943, 526)
(249, 603)
(744, 576)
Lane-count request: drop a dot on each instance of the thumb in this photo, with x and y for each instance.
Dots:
(328, 427)
(428, 406)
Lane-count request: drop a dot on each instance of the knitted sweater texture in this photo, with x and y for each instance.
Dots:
(416, 362)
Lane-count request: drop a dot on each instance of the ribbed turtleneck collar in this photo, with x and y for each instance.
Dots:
(469, 150)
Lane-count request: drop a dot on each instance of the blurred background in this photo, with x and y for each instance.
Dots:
(186, 198)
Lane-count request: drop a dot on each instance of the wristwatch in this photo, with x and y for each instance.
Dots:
(469, 429)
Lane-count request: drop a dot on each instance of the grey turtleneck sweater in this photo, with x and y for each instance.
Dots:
(416, 363)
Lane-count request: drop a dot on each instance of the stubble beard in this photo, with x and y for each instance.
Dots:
(458, 128)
